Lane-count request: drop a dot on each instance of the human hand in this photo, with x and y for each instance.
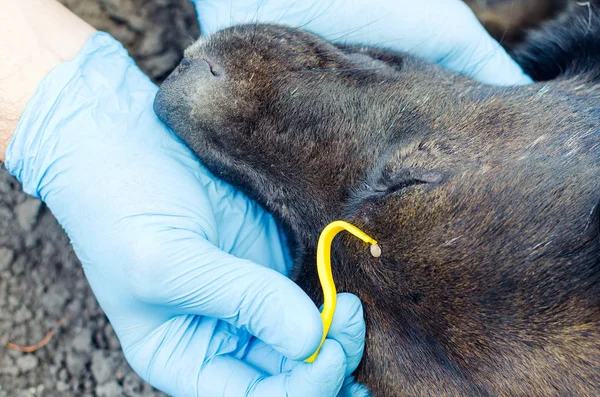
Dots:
(443, 31)
(160, 241)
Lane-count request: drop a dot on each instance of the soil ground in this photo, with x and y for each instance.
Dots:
(41, 280)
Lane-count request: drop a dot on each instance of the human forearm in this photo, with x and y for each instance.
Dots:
(35, 36)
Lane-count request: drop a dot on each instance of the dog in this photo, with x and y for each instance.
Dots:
(484, 199)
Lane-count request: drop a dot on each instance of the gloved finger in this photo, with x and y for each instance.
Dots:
(169, 360)
(188, 275)
(268, 360)
(264, 357)
(347, 328)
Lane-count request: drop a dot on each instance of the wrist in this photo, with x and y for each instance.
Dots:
(75, 117)
(35, 36)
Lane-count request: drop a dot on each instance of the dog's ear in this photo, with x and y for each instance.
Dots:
(417, 161)
(390, 180)
(394, 174)
(374, 55)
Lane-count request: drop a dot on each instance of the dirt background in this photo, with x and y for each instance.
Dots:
(41, 280)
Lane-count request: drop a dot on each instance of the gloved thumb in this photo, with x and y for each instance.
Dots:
(347, 328)
(324, 377)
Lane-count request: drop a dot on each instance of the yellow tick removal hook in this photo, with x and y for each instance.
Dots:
(324, 269)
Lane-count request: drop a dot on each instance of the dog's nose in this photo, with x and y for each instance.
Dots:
(186, 62)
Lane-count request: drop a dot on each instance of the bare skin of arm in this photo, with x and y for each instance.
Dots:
(35, 36)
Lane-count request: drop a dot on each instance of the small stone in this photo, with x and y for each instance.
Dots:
(22, 315)
(27, 213)
(132, 385)
(6, 258)
(83, 341)
(55, 300)
(111, 338)
(30, 241)
(61, 386)
(98, 340)
(87, 385)
(62, 375)
(19, 267)
(27, 362)
(13, 302)
(5, 213)
(7, 366)
(40, 390)
(103, 366)
(111, 389)
(75, 364)
(376, 250)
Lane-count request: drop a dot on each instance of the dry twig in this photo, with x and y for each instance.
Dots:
(42, 343)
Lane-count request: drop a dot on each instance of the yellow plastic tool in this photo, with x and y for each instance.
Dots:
(324, 269)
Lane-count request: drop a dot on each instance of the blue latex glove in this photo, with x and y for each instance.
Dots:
(442, 31)
(160, 241)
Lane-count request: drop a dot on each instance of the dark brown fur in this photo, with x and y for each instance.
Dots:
(482, 198)
(508, 20)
